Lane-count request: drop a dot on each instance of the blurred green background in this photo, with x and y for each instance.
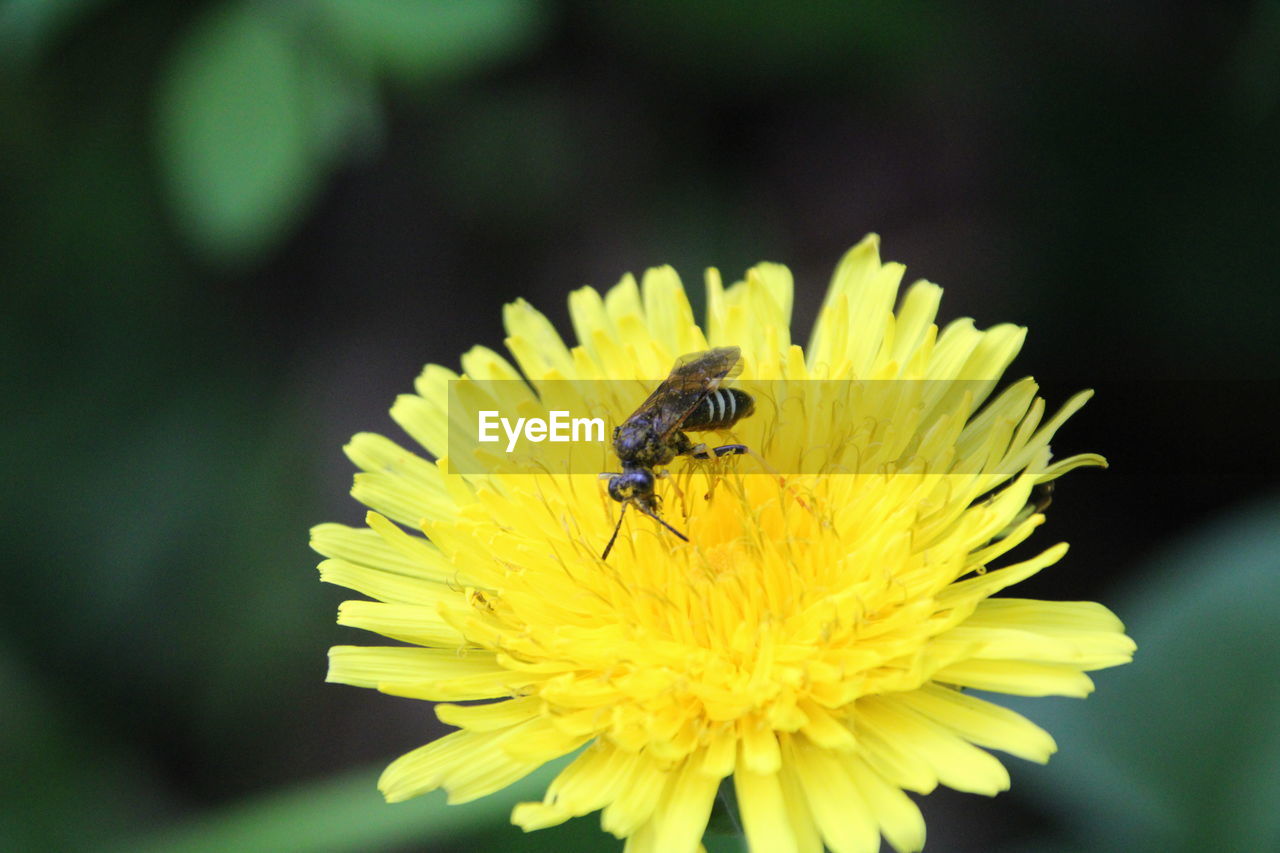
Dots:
(231, 232)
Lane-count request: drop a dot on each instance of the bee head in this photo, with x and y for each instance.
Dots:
(635, 483)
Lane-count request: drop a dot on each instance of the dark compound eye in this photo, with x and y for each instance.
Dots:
(626, 486)
(618, 488)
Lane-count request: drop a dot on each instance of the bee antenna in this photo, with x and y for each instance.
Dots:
(616, 528)
(658, 519)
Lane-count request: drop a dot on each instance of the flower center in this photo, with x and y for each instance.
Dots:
(781, 596)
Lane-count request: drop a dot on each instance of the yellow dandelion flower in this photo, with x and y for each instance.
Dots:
(813, 639)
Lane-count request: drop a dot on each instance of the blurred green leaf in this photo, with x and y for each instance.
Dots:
(430, 38)
(260, 100)
(345, 813)
(1180, 751)
(236, 131)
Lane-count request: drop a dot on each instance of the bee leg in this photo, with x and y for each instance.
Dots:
(716, 453)
(682, 446)
(727, 449)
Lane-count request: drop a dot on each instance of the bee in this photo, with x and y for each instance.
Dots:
(691, 399)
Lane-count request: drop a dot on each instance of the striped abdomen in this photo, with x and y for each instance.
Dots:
(720, 409)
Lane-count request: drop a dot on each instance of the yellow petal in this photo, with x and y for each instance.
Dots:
(468, 765)
(592, 781)
(763, 811)
(644, 788)
(374, 666)
(759, 745)
(957, 763)
(491, 716)
(409, 623)
(370, 549)
(1018, 678)
(384, 585)
(679, 822)
(981, 722)
(838, 807)
(667, 312)
(899, 817)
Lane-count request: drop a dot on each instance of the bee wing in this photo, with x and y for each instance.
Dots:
(693, 377)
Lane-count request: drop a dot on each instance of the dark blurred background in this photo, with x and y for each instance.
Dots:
(231, 232)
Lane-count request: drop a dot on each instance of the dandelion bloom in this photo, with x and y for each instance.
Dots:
(812, 640)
